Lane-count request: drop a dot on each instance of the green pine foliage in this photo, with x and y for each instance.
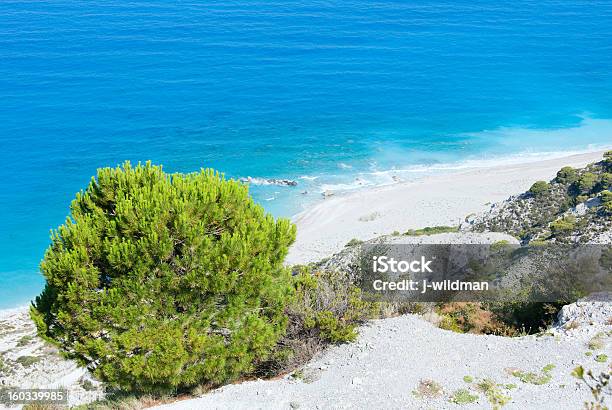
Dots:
(587, 182)
(159, 282)
(563, 226)
(608, 158)
(539, 188)
(567, 175)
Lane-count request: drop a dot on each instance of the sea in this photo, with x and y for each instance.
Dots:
(334, 95)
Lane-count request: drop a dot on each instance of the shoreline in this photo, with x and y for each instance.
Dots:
(441, 199)
(8, 313)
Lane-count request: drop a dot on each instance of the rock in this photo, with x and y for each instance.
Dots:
(432, 317)
(269, 181)
(593, 309)
(583, 208)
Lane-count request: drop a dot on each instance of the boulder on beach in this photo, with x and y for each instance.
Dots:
(269, 181)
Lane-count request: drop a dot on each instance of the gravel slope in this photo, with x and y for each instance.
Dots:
(391, 356)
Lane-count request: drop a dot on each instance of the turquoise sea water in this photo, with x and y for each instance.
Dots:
(333, 94)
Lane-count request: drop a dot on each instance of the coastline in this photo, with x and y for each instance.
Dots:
(443, 199)
(324, 229)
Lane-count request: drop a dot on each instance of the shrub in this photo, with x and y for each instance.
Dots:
(27, 361)
(534, 378)
(606, 198)
(522, 316)
(354, 242)
(601, 358)
(493, 393)
(598, 385)
(432, 230)
(428, 389)
(498, 246)
(25, 340)
(160, 282)
(587, 182)
(608, 158)
(87, 385)
(581, 198)
(327, 304)
(606, 179)
(567, 175)
(326, 308)
(471, 317)
(463, 396)
(563, 226)
(539, 187)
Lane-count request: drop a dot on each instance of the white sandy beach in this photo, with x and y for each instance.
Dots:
(437, 200)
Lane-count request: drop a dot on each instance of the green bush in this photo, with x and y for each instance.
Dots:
(567, 175)
(463, 396)
(606, 198)
(601, 358)
(494, 394)
(606, 180)
(581, 199)
(160, 282)
(354, 242)
(326, 309)
(608, 158)
(563, 226)
(587, 182)
(27, 361)
(543, 377)
(431, 230)
(539, 187)
(328, 304)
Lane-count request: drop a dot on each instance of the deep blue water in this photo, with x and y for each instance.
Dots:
(336, 90)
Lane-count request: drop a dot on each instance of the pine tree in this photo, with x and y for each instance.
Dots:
(163, 281)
